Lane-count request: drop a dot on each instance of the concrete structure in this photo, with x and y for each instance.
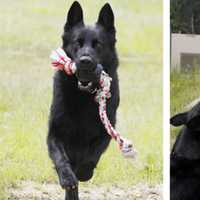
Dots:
(185, 51)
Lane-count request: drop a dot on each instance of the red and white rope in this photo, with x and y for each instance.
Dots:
(61, 62)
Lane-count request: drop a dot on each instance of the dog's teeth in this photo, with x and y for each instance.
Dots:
(90, 84)
(79, 83)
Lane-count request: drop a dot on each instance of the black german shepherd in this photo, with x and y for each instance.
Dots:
(76, 137)
(185, 157)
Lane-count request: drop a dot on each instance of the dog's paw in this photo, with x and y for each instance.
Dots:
(68, 180)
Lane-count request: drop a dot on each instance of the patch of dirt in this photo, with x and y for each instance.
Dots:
(35, 191)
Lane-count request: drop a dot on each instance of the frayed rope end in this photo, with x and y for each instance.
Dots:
(127, 150)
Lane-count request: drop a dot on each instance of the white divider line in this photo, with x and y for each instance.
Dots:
(166, 98)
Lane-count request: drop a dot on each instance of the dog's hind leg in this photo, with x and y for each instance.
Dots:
(61, 161)
(72, 194)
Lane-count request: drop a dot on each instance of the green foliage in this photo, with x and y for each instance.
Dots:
(31, 29)
(185, 16)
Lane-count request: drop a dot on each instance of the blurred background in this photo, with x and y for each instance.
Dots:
(29, 31)
(185, 57)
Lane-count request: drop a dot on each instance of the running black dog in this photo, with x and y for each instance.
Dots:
(76, 137)
(185, 157)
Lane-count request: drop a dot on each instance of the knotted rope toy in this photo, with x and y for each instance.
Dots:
(62, 62)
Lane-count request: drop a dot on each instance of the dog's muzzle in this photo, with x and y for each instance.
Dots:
(88, 76)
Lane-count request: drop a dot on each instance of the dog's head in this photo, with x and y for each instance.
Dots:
(89, 46)
(187, 144)
(190, 119)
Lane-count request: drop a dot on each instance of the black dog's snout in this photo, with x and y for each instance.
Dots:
(86, 60)
(86, 63)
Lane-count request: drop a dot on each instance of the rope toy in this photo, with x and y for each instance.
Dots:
(61, 62)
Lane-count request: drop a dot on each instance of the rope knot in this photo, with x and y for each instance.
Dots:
(104, 92)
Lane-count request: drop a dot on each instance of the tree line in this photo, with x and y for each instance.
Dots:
(185, 16)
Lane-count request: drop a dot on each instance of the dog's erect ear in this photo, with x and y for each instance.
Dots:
(106, 18)
(75, 16)
(179, 119)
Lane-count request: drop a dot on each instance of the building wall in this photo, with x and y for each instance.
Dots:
(183, 43)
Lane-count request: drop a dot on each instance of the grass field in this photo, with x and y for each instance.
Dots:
(30, 30)
(184, 90)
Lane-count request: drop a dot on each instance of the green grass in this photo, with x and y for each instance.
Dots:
(30, 30)
(184, 89)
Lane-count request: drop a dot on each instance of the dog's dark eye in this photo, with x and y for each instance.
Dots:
(96, 44)
(80, 42)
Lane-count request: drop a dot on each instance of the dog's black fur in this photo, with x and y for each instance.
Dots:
(76, 137)
(185, 157)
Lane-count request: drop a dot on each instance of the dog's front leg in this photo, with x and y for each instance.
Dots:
(72, 194)
(67, 178)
